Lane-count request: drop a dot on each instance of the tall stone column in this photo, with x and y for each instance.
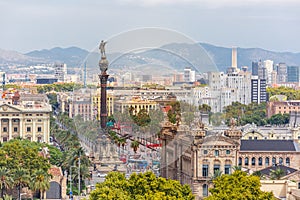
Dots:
(103, 64)
(10, 128)
(103, 111)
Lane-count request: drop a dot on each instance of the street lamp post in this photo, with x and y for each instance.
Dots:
(71, 192)
(79, 174)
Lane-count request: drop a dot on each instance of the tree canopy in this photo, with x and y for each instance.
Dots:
(143, 186)
(291, 93)
(238, 186)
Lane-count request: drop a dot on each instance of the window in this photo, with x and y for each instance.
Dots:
(39, 139)
(29, 138)
(205, 152)
(28, 129)
(246, 161)
(299, 185)
(250, 138)
(15, 129)
(205, 190)
(205, 170)
(287, 161)
(280, 161)
(39, 129)
(227, 152)
(240, 161)
(216, 168)
(253, 161)
(273, 161)
(267, 161)
(4, 139)
(39, 120)
(216, 152)
(227, 169)
(260, 161)
(4, 129)
(28, 120)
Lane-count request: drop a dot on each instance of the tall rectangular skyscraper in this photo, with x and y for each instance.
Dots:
(293, 74)
(255, 68)
(258, 90)
(281, 73)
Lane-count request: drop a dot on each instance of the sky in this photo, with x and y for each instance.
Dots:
(44, 24)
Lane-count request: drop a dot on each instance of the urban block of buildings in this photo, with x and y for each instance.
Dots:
(26, 116)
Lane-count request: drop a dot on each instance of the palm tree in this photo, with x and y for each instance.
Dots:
(235, 168)
(277, 173)
(21, 179)
(5, 179)
(258, 173)
(134, 145)
(40, 181)
(217, 173)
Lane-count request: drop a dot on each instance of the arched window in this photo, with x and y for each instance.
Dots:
(246, 161)
(267, 161)
(287, 161)
(240, 161)
(280, 161)
(205, 190)
(253, 161)
(273, 161)
(260, 161)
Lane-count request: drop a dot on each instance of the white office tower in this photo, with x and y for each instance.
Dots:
(60, 71)
(241, 82)
(189, 75)
(268, 65)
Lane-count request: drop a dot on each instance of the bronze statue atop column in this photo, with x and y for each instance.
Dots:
(103, 64)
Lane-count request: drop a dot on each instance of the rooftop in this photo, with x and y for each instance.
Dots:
(268, 145)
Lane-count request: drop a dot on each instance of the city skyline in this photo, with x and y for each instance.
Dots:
(33, 25)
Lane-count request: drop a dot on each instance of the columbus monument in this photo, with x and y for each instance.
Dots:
(103, 76)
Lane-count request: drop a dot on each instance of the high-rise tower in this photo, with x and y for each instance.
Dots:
(234, 57)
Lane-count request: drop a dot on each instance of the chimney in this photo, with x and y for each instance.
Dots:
(234, 57)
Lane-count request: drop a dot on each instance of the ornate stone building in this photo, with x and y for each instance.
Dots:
(26, 116)
(193, 155)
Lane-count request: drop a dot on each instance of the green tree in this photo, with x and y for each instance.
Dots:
(144, 186)
(21, 179)
(277, 173)
(204, 108)
(174, 113)
(292, 94)
(6, 180)
(40, 182)
(238, 186)
(135, 145)
(279, 119)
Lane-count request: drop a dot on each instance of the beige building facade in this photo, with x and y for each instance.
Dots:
(195, 155)
(26, 116)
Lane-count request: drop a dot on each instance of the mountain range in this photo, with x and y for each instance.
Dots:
(167, 55)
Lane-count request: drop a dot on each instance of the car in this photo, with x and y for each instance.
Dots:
(101, 175)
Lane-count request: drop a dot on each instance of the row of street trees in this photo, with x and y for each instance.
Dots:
(64, 132)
